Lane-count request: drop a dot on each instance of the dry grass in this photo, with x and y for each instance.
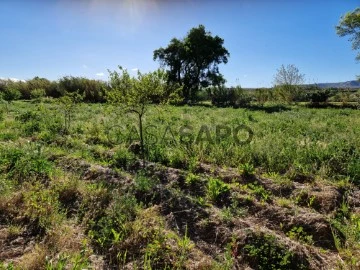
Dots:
(33, 260)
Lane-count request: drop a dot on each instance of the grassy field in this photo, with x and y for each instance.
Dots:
(272, 187)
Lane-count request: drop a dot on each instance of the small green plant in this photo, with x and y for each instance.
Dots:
(284, 202)
(303, 198)
(260, 192)
(14, 230)
(28, 116)
(157, 253)
(123, 158)
(10, 94)
(247, 169)
(117, 237)
(201, 201)
(144, 183)
(226, 261)
(59, 264)
(234, 210)
(113, 225)
(344, 184)
(37, 93)
(68, 104)
(226, 214)
(192, 164)
(185, 245)
(264, 252)
(9, 266)
(25, 164)
(217, 189)
(279, 179)
(298, 233)
(42, 206)
(192, 179)
(6, 185)
(65, 261)
(32, 122)
(311, 200)
(2, 117)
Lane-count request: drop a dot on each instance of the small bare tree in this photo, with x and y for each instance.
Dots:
(68, 104)
(289, 75)
(287, 81)
(135, 94)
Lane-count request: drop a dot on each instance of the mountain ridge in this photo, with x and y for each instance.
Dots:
(347, 84)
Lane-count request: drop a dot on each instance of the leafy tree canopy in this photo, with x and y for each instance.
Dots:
(134, 94)
(349, 25)
(193, 61)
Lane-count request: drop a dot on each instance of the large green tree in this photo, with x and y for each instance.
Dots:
(193, 61)
(349, 25)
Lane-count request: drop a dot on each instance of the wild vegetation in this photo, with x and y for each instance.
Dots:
(82, 196)
(118, 175)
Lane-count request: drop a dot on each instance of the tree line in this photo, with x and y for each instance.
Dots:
(97, 91)
(91, 90)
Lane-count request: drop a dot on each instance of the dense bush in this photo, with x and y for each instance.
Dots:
(263, 95)
(10, 93)
(91, 90)
(37, 93)
(318, 96)
(25, 164)
(264, 252)
(287, 93)
(234, 96)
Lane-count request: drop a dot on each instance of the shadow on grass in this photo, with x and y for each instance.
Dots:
(273, 108)
(331, 106)
(253, 107)
(269, 108)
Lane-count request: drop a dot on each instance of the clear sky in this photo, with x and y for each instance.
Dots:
(55, 38)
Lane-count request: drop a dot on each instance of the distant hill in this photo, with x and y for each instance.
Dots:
(349, 84)
(341, 85)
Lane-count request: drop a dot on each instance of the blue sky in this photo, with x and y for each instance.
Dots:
(57, 38)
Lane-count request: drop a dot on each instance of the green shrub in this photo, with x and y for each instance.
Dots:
(123, 158)
(32, 122)
(37, 93)
(144, 183)
(287, 93)
(10, 94)
(247, 169)
(2, 117)
(42, 206)
(91, 90)
(260, 192)
(26, 164)
(298, 233)
(234, 96)
(263, 95)
(264, 252)
(113, 225)
(217, 190)
(318, 96)
(28, 116)
(192, 179)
